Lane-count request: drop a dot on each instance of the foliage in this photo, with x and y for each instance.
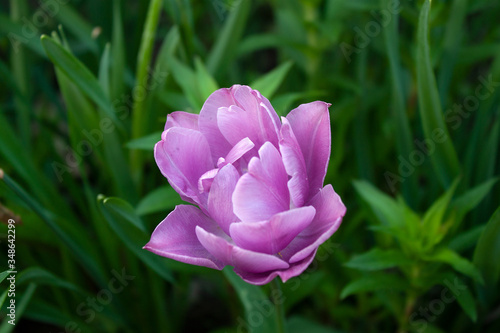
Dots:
(86, 87)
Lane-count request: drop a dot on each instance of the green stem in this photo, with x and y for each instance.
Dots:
(278, 300)
(139, 115)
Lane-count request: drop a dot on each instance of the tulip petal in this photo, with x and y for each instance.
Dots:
(262, 192)
(264, 278)
(175, 237)
(329, 213)
(182, 119)
(183, 156)
(220, 205)
(207, 122)
(311, 125)
(250, 117)
(274, 235)
(294, 164)
(241, 259)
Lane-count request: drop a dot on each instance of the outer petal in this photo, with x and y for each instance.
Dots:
(182, 119)
(329, 213)
(220, 205)
(274, 235)
(183, 156)
(294, 164)
(242, 260)
(208, 122)
(175, 237)
(262, 192)
(263, 278)
(311, 125)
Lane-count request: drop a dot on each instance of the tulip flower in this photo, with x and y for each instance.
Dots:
(255, 184)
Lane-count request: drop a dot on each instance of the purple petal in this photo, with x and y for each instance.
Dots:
(262, 192)
(294, 165)
(220, 205)
(240, 259)
(206, 180)
(250, 117)
(175, 237)
(208, 122)
(182, 119)
(329, 213)
(240, 149)
(274, 235)
(183, 156)
(235, 124)
(264, 278)
(311, 125)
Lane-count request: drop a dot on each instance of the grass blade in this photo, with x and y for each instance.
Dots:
(444, 158)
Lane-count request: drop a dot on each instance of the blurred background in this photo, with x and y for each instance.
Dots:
(84, 92)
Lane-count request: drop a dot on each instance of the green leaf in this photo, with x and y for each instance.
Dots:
(117, 52)
(433, 218)
(162, 199)
(466, 239)
(73, 235)
(3, 275)
(187, 79)
(470, 199)
(3, 296)
(297, 324)
(269, 83)
(378, 259)
(79, 75)
(255, 303)
(402, 128)
(458, 263)
(385, 208)
(444, 158)
(71, 19)
(41, 276)
(487, 250)
(226, 45)
(145, 143)
(206, 83)
(128, 226)
(374, 282)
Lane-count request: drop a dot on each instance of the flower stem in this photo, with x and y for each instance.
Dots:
(278, 300)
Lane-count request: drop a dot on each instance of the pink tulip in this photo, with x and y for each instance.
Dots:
(255, 182)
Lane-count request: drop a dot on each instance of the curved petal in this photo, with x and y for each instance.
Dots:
(264, 278)
(239, 149)
(262, 192)
(220, 205)
(207, 122)
(274, 235)
(329, 213)
(311, 125)
(294, 164)
(183, 156)
(249, 117)
(182, 119)
(175, 237)
(241, 259)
